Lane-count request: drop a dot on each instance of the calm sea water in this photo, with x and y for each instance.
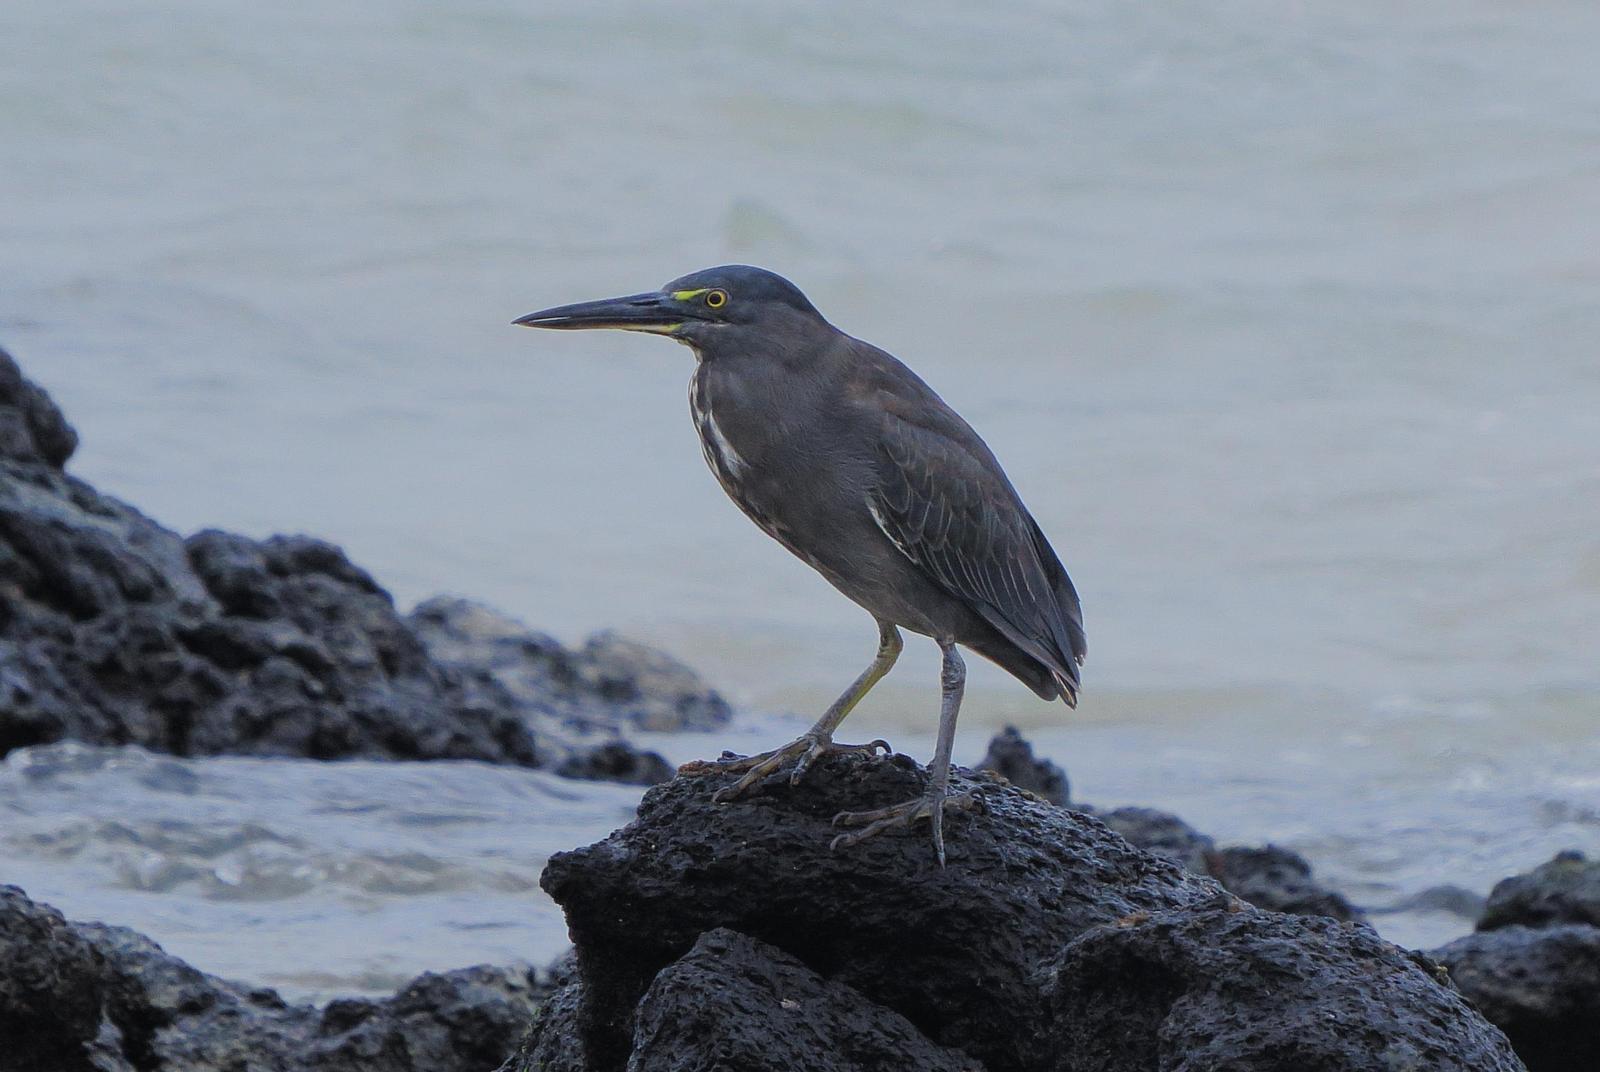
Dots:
(1282, 318)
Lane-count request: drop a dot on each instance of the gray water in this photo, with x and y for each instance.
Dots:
(1282, 318)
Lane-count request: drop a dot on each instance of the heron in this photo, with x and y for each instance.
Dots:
(842, 454)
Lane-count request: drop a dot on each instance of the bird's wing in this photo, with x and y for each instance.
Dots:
(943, 500)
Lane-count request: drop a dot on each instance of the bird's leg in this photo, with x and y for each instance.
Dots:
(932, 804)
(818, 740)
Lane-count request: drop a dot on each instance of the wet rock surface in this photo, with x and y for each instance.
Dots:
(1230, 987)
(115, 630)
(998, 956)
(1277, 879)
(1164, 834)
(1268, 877)
(734, 1002)
(1566, 889)
(1540, 985)
(89, 996)
(1533, 967)
(32, 428)
(1011, 756)
(51, 988)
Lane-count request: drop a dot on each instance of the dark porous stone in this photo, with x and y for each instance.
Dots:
(554, 1043)
(1011, 757)
(1164, 834)
(732, 1002)
(50, 986)
(1279, 880)
(648, 687)
(1234, 989)
(114, 630)
(1268, 877)
(1456, 900)
(608, 684)
(994, 956)
(616, 761)
(956, 951)
(80, 996)
(464, 1019)
(1564, 889)
(1540, 985)
(32, 429)
(575, 702)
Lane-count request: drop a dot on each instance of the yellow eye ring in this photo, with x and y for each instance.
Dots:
(716, 299)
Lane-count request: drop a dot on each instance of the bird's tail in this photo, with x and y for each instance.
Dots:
(1068, 687)
(1066, 624)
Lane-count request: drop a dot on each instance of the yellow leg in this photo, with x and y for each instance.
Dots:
(818, 740)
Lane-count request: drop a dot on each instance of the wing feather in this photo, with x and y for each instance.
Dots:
(950, 509)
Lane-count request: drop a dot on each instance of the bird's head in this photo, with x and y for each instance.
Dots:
(734, 307)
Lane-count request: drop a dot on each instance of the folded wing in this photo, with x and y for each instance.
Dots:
(945, 503)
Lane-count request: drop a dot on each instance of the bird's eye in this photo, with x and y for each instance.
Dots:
(716, 299)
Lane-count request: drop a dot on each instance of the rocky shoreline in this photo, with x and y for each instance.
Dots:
(115, 630)
(706, 937)
(712, 937)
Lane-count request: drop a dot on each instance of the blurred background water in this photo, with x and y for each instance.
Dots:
(1282, 317)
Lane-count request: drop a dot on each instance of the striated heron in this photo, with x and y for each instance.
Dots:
(843, 455)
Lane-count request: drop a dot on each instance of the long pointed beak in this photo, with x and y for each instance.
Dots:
(654, 312)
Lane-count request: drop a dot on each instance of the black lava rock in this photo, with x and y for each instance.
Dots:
(1164, 834)
(732, 1002)
(114, 630)
(576, 701)
(1268, 877)
(1541, 986)
(1564, 889)
(81, 996)
(1456, 900)
(1279, 880)
(616, 761)
(1231, 987)
(32, 429)
(51, 988)
(1011, 756)
(995, 956)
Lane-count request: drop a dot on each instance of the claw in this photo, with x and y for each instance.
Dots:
(869, 749)
(805, 750)
(930, 806)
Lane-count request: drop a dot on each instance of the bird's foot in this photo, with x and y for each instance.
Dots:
(931, 806)
(803, 751)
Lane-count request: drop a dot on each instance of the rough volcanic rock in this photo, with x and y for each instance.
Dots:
(954, 950)
(84, 995)
(1237, 989)
(646, 686)
(32, 429)
(1564, 889)
(609, 683)
(1279, 880)
(1541, 986)
(615, 761)
(1164, 834)
(50, 988)
(732, 1002)
(1456, 900)
(1011, 756)
(467, 1019)
(578, 701)
(114, 630)
(555, 1041)
(979, 957)
(1268, 877)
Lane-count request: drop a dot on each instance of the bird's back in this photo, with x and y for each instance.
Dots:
(943, 498)
(853, 463)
